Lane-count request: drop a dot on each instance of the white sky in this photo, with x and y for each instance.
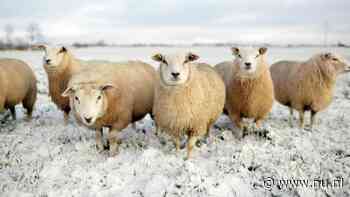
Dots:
(181, 21)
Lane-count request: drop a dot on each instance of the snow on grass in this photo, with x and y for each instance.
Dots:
(44, 157)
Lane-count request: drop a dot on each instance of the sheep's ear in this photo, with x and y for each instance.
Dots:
(106, 87)
(158, 57)
(63, 49)
(69, 91)
(191, 57)
(235, 51)
(262, 50)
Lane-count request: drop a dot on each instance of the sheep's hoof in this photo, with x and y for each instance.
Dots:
(263, 133)
(28, 118)
(199, 143)
(183, 144)
(113, 153)
(106, 146)
(308, 129)
(217, 127)
(162, 141)
(99, 148)
(245, 132)
(202, 141)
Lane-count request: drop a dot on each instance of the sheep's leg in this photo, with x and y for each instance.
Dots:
(113, 142)
(13, 112)
(205, 138)
(134, 126)
(301, 119)
(157, 131)
(66, 118)
(29, 102)
(177, 143)
(207, 135)
(99, 142)
(313, 119)
(191, 142)
(291, 117)
(258, 123)
(237, 121)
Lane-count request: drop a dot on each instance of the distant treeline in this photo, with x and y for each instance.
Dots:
(227, 44)
(33, 34)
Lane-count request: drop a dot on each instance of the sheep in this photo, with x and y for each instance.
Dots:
(17, 85)
(60, 64)
(189, 97)
(249, 87)
(307, 85)
(113, 96)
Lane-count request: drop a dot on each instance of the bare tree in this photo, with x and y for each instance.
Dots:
(9, 33)
(33, 32)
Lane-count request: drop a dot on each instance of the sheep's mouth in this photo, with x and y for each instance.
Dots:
(175, 79)
(89, 123)
(51, 68)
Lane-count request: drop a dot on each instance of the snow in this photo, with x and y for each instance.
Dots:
(46, 158)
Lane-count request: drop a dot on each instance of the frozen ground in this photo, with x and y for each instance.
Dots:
(46, 158)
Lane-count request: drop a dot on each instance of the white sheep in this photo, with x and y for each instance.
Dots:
(249, 87)
(60, 64)
(17, 85)
(189, 97)
(307, 85)
(113, 96)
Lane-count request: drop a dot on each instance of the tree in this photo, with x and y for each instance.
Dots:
(8, 33)
(34, 33)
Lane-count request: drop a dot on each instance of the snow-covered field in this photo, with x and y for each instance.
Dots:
(46, 158)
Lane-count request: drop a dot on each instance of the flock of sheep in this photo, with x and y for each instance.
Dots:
(184, 98)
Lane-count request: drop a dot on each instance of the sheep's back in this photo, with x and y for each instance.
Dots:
(225, 70)
(282, 74)
(18, 78)
(142, 81)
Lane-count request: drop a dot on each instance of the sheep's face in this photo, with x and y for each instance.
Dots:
(339, 64)
(53, 57)
(88, 102)
(248, 59)
(175, 69)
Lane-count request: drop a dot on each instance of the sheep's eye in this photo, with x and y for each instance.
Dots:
(164, 62)
(99, 98)
(239, 56)
(76, 98)
(334, 59)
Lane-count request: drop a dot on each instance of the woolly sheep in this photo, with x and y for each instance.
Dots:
(60, 64)
(17, 85)
(249, 88)
(308, 85)
(189, 97)
(113, 96)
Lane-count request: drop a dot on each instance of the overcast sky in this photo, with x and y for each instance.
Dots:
(182, 21)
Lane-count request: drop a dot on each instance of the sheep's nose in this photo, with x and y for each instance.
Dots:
(88, 120)
(175, 75)
(47, 61)
(248, 65)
